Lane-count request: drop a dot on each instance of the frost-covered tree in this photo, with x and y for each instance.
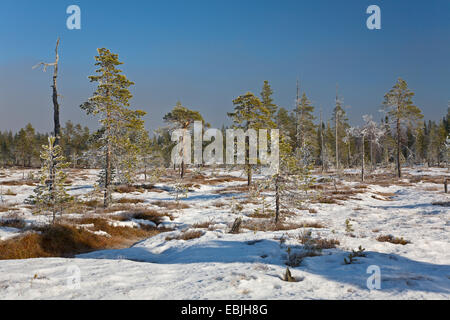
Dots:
(250, 113)
(340, 123)
(267, 100)
(50, 195)
(290, 180)
(306, 142)
(400, 109)
(118, 122)
(373, 132)
(370, 131)
(182, 118)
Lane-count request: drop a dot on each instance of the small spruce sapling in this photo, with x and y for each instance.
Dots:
(50, 195)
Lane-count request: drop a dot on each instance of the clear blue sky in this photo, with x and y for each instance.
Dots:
(207, 52)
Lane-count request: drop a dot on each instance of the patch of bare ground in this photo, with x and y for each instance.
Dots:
(381, 198)
(30, 183)
(392, 239)
(64, 240)
(12, 222)
(261, 215)
(219, 204)
(427, 179)
(146, 214)
(261, 225)
(130, 200)
(171, 205)
(232, 189)
(127, 189)
(186, 235)
(4, 208)
(9, 192)
(317, 244)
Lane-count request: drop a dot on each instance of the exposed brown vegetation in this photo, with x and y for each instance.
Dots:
(147, 214)
(392, 239)
(67, 240)
(171, 205)
(204, 225)
(258, 225)
(12, 223)
(129, 200)
(187, 235)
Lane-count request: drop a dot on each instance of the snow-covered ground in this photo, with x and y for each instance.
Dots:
(249, 265)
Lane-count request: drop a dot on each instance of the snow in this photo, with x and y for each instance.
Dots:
(249, 265)
(8, 233)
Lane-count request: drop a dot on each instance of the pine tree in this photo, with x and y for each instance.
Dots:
(306, 143)
(50, 194)
(291, 181)
(118, 121)
(400, 108)
(340, 126)
(182, 118)
(250, 113)
(267, 100)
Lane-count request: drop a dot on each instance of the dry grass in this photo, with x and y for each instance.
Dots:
(4, 208)
(171, 205)
(10, 193)
(127, 189)
(147, 214)
(232, 190)
(392, 239)
(12, 223)
(270, 226)
(30, 183)
(380, 198)
(316, 244)
(187, 235)
(67, 240)
(325, 199)
(260, 215)
(130, 201)
(441, 203)
(203, 225)
(219, 204)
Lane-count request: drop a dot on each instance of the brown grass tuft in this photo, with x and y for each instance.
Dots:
(392, 239)
(187, 235)
(131, 201)
(171, 205)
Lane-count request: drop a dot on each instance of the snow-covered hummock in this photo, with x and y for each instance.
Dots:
(249, 265)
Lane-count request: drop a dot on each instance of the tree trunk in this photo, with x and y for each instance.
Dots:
(277, 199)
(337, 141)
(182, 169)
(107, 196)
(362, 160)
(57, 125)
(106, 200)
(399, 170)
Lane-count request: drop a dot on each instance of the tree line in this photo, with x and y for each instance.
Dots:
(122, 148)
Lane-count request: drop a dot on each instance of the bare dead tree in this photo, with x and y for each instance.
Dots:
(57, 125)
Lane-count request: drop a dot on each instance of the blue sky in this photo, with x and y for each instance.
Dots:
(205, 53)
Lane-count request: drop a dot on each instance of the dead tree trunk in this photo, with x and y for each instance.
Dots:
(57, 125)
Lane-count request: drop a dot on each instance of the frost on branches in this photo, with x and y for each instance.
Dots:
(50, 195)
